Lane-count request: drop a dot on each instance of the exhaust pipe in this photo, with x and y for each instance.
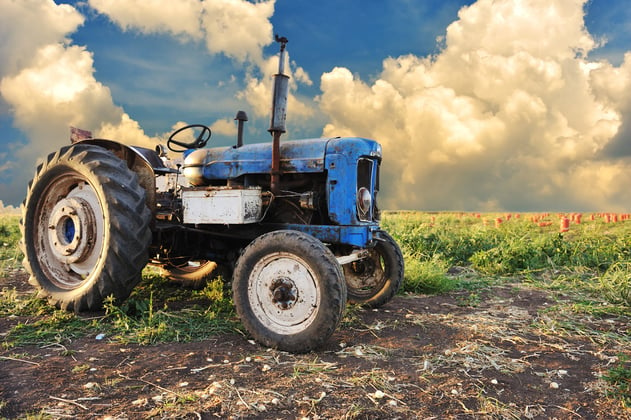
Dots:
(241, 117)
(279, 114)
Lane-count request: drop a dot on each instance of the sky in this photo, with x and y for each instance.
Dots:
(487, 105)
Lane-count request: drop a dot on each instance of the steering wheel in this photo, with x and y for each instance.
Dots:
(200, 141)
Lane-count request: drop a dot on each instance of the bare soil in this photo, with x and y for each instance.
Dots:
(505, 351)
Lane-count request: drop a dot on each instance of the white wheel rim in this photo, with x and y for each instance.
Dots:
(74, 232)
(283, 293)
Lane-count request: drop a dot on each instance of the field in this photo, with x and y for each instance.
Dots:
(502, 316)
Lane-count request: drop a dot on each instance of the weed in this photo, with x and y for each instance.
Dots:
(616, 283)
(619, 378)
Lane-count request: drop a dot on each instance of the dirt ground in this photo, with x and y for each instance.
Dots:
(501, 352)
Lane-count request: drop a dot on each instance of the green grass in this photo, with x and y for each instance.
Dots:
(619, 380)
(588, 267)
(10, 254)
(156, 311)
(589, 258)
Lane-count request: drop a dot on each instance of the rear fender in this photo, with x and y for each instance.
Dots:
(145, 162)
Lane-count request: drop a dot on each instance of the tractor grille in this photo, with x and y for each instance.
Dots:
(367, 189)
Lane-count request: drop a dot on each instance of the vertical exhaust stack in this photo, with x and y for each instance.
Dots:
(241, 117)
(279, 114)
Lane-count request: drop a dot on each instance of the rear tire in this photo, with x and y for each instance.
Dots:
(289, 291)
(191, 274)
(85, 228)
(375, 280)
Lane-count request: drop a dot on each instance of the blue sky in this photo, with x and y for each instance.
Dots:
(473, 115)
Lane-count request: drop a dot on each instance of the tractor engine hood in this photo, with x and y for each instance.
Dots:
(298, 156)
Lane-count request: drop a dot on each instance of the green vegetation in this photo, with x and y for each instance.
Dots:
(588, 269)
(157, 311)
(10, 254)
(619, 379)
(447, 251)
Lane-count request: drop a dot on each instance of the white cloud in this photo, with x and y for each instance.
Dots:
(48, 85)
(224, 127)
(510, 114)
(238, 29)
(27, 25)
(180, 18)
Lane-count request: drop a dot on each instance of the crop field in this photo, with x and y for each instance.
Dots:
(501, 316)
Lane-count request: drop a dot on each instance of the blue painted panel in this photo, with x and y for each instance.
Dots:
(360, 236)
(299, 156)
(341, 159)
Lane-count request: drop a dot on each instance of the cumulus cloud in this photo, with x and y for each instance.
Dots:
(510, 114)
(150, 16)
(238, 29)
(225, 127)
(28, 25)
(48, 85)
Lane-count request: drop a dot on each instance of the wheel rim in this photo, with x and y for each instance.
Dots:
(284, 293)
(365, 276)
(69, 218)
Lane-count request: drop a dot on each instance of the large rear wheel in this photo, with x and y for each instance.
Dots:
(289, 291)
(374, 280)
(85, 228)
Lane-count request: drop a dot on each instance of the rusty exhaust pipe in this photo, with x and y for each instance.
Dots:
(279, 114)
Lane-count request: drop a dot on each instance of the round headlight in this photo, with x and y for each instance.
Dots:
(364, 200)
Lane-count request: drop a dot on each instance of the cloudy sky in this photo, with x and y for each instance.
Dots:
(488, 105)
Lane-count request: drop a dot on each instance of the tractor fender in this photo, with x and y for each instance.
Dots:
(146, 163)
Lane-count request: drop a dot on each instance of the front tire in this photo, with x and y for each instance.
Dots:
(375, 280)
(289, 291)
(85, 228)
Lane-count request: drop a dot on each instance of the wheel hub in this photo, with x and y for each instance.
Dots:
(284, 293)
(71, 229)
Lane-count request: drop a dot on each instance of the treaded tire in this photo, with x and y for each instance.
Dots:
(193, 276)
(85, 228)
(289, 291)
(372, 282)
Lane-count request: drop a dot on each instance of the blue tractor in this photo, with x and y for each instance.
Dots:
(294, 225)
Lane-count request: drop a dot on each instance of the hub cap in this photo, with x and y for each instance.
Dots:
(71, 224)
(284, 293)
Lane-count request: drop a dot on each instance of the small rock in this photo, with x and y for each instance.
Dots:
(494, 381)
(554, 385)
(379, 394)
(266, 368)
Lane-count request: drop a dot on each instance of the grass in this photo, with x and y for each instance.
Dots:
(10, 254)
(586, 268)
(448, 251)
(150, 315)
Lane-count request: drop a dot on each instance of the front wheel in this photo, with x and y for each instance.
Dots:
(374, 280)
(289, 291)
(85, 228)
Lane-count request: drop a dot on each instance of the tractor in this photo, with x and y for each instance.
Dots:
(294, 226)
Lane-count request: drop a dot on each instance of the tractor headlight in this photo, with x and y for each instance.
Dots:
(364, 201)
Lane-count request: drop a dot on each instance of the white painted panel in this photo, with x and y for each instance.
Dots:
(222, 206)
